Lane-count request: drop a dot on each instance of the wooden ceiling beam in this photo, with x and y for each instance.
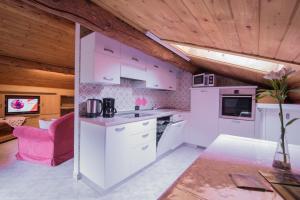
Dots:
(97, 19)
(6, 61)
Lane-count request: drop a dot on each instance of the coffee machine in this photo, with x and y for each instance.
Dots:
(109, 109)
(93, 108)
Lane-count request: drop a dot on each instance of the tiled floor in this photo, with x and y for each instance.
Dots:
(25, 181)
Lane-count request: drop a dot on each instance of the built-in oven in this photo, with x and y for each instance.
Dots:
(238, 103)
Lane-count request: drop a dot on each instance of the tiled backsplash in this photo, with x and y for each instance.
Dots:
(126, 94)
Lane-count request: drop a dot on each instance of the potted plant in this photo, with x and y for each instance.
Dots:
(279, 91)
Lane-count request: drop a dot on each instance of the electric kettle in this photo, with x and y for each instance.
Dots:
(93, 108)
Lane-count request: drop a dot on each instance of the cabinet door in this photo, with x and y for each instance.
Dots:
(203, 122)
(107, 46)
(2, 106)
(106, 69)
(172, 80)
(272, 126)
(141, 155)
(132, 63)
(177, 134)
(50, 104)
(153, 76)
(241, 128)
(117, 157)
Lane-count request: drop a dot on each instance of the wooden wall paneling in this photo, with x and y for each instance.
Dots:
(246, 18)
(97, 19)
(199, 10)
(31, 34)
(2, 105)
(222, 13)
(31, 77)
(274, 21)
(6, 61)
(289, 47)
(22, 89)
(50, 104)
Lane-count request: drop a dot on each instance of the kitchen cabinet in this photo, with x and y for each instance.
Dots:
(108, 155)
(203, 120)
(133, 64)
(50, 104)
(272, 126)
(160, 75)
(171, 79)
(243, 128)
(100, 60)
(104, 60)
(2, 105)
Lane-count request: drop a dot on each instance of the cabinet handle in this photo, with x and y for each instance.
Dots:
(120, 129)
(203, 91)
(287, 115)
(145, 123)
(145, 135)
(108, 79)
(236, 121)
(170, 87)
(109, 50)
(156, 85)
(155, 66)
(145, 147)
(135, 59)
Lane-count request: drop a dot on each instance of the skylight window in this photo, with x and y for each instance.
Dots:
(232, 59)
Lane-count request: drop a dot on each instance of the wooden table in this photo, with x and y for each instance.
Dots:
(208, 177)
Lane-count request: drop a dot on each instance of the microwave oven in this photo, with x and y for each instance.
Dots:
(237, 104)
(203, 80)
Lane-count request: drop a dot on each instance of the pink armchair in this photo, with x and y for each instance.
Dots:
(50, 147)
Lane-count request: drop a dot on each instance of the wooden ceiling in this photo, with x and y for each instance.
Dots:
(31, 34)
(265, 28)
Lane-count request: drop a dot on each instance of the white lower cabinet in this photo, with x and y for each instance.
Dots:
(243, 128)
(108, 155)
(272, 126)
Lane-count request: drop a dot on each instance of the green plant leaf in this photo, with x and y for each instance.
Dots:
(291, 121)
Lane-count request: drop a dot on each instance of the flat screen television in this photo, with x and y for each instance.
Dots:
(15, 105)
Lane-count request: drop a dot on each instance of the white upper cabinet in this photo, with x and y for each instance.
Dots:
(104, 60)
(99, 61)
(160, 75)
(133, 64)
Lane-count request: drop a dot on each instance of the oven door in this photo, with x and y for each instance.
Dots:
(237, 107)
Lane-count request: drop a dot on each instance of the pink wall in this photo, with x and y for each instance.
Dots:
(126, 94)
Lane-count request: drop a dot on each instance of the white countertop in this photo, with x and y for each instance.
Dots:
(118, 119)
(275, 106)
